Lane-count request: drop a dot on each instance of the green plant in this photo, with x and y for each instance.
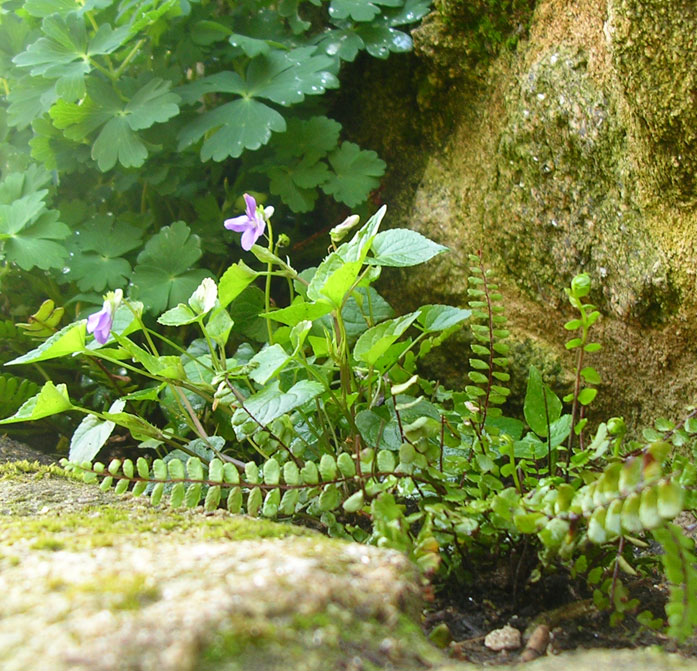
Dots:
(120, 120)
(328, 419)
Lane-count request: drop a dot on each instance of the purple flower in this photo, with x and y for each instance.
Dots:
(100, 322)
(251, 224)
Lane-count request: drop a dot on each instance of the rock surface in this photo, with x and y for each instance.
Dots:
(101, 583)
(575, 151)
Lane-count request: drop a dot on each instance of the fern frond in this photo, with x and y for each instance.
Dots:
(679, 563)
(488, 367)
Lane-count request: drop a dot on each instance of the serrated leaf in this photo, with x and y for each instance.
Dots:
(192, 497)
(271, 403)
(177, 494)
(327, 467)
(68, 340)
(354, 502)
(400, 247)
(434, 318)
(346, 465)
(271, 503)
(234, 500)
(289, 501)
(670, 499)
(51, 400)
(329, 499)
(372, 344)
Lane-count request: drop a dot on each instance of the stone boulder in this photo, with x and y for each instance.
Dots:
(574, 151)
(95, 582)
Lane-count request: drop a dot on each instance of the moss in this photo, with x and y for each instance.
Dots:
(41, 505)
(10, 469)
(318, 641)
(461, 36)
(654, 50)
(117, 592)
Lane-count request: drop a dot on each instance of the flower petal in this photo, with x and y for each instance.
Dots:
(251, 205)
(237, 224)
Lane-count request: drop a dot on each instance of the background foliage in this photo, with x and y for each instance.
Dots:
(121, 120)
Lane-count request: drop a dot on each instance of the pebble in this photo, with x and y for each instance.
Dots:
(506, 638)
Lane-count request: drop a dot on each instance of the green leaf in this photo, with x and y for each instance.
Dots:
(289, 501)
(117, 141)
(327, 467)
(271, 503)
(333, 279)
(176, 496)
(234, 281)
(163, 276)
(330, 498)
(157, 492)
(310, 473)
(670, 499)
(96, 261)
(212, 500)
(401, 247)
(542, 407)
(272, 472)
(386, 461)
(587, 395)
(346, 465)
(51, 400)
(91, 434)
(434, 318)
(192, 496)
(298, 311)
(268, 363)
(648, 509)
(376, 340)
(359, 10)
(291, 474)
(68, 340)
(254, 502)
(177, 316)
(354, 502)
(232, 128)
(356, 173)
(234, 500)
(590, 375)
(251, 473)
(271, 403)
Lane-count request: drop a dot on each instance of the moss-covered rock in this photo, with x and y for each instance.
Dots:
(91, 581)
(573, 153)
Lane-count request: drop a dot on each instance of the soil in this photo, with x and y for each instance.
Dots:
(557, 608)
